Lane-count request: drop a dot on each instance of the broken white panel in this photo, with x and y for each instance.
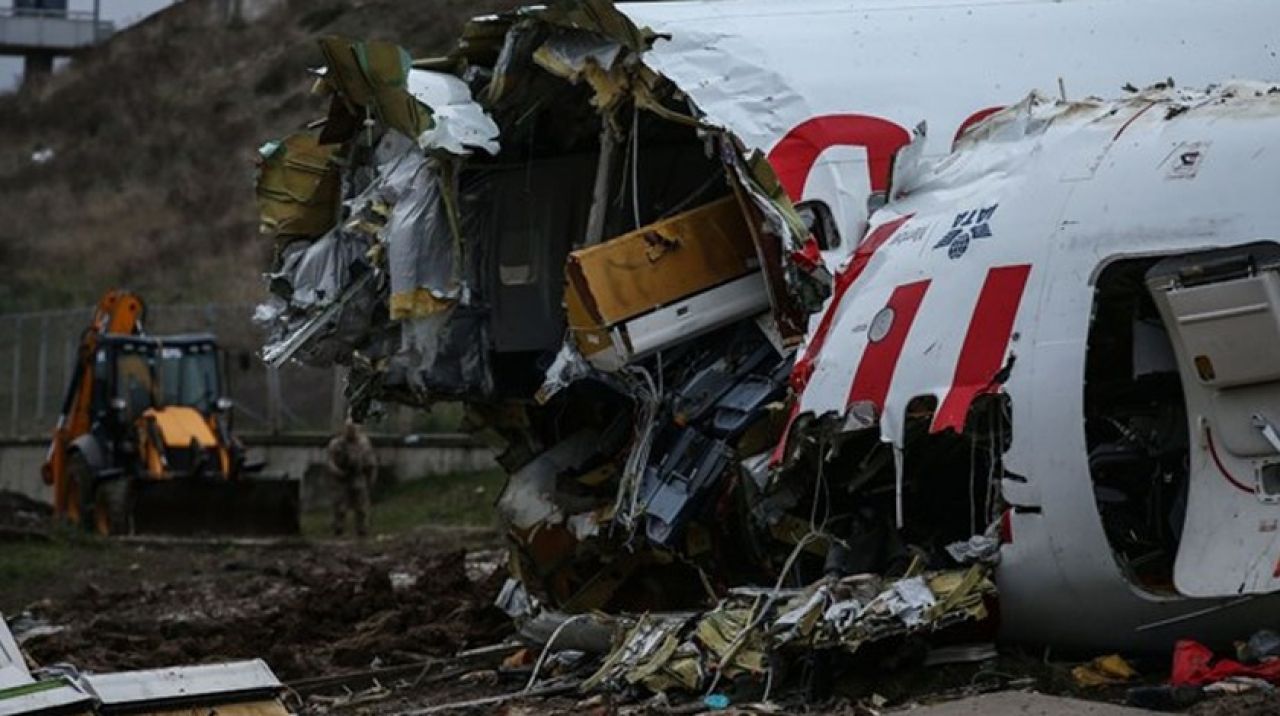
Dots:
(978, 548)
(530, 497)
(54, 696)
(841, 615)
(908, 599)
(13, 669)
(460, 123)
(515, 600)
(584, 525)
(789, 624)
(683, 320)
(237, 679)
(568, 367)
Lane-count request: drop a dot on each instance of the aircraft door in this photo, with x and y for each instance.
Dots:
(1222, 312)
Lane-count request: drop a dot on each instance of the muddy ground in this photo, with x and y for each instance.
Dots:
(374, 627)
(397, 607)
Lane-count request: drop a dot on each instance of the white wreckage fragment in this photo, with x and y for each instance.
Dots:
(249, 685)
(461, 124)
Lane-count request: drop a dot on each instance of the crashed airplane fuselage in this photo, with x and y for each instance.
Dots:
(611, 230)
(1084, 295)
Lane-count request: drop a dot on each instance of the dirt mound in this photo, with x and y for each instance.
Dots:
(322, 614)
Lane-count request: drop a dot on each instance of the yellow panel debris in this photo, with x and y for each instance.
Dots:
(298, 187)
(656, 265)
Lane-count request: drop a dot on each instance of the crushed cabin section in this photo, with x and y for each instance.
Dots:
(611, 281)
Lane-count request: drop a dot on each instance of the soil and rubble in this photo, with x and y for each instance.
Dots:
(306, 612)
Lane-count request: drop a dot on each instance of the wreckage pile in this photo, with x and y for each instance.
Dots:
(545, 227)
(751, 630)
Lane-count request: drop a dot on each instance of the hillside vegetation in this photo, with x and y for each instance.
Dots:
(153, 137)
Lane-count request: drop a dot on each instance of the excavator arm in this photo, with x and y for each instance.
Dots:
(117, 312)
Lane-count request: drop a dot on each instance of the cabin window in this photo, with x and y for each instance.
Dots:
(817, 218)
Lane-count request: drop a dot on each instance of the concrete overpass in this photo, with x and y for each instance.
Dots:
(41, 30)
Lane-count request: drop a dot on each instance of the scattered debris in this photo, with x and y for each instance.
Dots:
(250, 685)
(747, 632)
(1195, 665)
(1104, 671)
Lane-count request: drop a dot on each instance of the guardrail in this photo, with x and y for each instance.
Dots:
(36, 29)
(79, 15)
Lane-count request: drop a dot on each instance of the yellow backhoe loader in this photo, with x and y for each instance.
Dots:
(144, 443)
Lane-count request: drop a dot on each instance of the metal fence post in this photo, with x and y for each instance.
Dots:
(17, 375)
(42, 367)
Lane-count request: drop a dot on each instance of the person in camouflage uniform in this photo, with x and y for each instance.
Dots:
(352, 467)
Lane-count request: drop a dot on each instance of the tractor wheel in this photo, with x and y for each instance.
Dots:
(79, 476)
(112, 513)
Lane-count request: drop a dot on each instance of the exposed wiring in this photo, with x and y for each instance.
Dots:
(717, 174)
(635, 163)
(1213, 452)
(648, 394)
(537, 666)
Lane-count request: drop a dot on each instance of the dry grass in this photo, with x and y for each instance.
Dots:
(151, 186)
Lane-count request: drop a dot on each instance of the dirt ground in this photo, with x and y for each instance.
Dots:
(394, 609)
(375, 627)
(307, 610)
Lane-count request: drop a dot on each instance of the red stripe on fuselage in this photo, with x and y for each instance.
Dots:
(985, 344)
(880, 358)
(844, 279)
(794, 155)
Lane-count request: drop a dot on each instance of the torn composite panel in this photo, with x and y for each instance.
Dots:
(751, 629)
(928, 306)
(395, 198)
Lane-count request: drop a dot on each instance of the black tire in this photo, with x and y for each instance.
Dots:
(79, 479)
(112, 507)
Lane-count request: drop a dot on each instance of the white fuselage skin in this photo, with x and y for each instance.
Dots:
(798, 81)
(1097, 186)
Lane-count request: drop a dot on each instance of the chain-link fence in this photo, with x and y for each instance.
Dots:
(38, 352)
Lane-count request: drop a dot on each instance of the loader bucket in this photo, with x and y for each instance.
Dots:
(259, 506)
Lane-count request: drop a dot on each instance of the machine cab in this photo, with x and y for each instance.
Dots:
(133, 374)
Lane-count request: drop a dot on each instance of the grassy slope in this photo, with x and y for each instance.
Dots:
(154, 135)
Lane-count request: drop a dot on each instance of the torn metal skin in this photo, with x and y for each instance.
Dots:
(547, 228)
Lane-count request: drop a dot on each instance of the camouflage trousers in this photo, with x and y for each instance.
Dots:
(350, 492)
